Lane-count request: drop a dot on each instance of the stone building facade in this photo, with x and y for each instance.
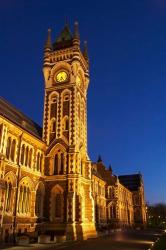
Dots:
(48, 185)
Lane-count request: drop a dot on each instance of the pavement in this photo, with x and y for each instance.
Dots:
(128, 240)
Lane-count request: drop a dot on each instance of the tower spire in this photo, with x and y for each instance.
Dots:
(99, 159)
(66, 21)
(47, 50)
(110, 168)
(76, 35)
(76, 31)
(48, 43)
(85, 51)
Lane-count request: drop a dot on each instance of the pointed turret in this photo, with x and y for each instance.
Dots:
(48, 43)
(85, 51)
(76, 35)
(64, 39)
(47, 51)
(99, 159)
(110, 169)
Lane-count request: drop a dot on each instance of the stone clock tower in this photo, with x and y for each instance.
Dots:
(69, 205)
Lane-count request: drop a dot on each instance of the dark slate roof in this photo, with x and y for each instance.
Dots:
(102, 172)
(17, 117)
(64, 40)
(132, 182)
(96, 173)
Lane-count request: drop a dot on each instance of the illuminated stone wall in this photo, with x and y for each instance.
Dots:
(67, 168)
(48, 183)
(21, 178)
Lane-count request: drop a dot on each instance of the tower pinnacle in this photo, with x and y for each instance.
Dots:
(48, 43)
(76, 31)
(85, 51)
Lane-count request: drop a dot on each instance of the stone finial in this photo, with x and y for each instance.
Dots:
(48, 43)
(99, 159)
(85, 51)
(76, 31)
(110, 168)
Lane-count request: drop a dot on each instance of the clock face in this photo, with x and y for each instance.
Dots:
(61, 76)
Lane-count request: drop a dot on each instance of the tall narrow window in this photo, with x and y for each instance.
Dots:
(26, 156)
(62, 163)
(66, 105)
(30, 158)
(53, 126)
(13, 149)
(22, 154)
(41, 162)
(38, 161)
(8, 148)
(58, 206)
(20, 208)
(52, 135)
(67, 163)
(39, 201)
(56, 167)
(37, 204)
(8, 196)
(27, 205)
(24, 199)
(66, 125)
(53, 109)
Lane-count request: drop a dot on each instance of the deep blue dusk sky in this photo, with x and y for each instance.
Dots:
(127, 92)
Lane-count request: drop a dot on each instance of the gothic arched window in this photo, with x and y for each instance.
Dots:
(8, 197)
(65, 123)
(54, 98)
(27, 202)
(8, 148)
(20, 201)
(24, 199)
(22, 154)
(58, 206)
(38, 161)
(41, 162)
(39, 200)
(30, 158)
(13, 148)
(66, 98)
(62, 163)
(53, 126)
(66, 104)
(53, 101)
(26, 156)
(56, 165)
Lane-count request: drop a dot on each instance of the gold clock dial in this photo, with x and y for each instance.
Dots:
(61, 76)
